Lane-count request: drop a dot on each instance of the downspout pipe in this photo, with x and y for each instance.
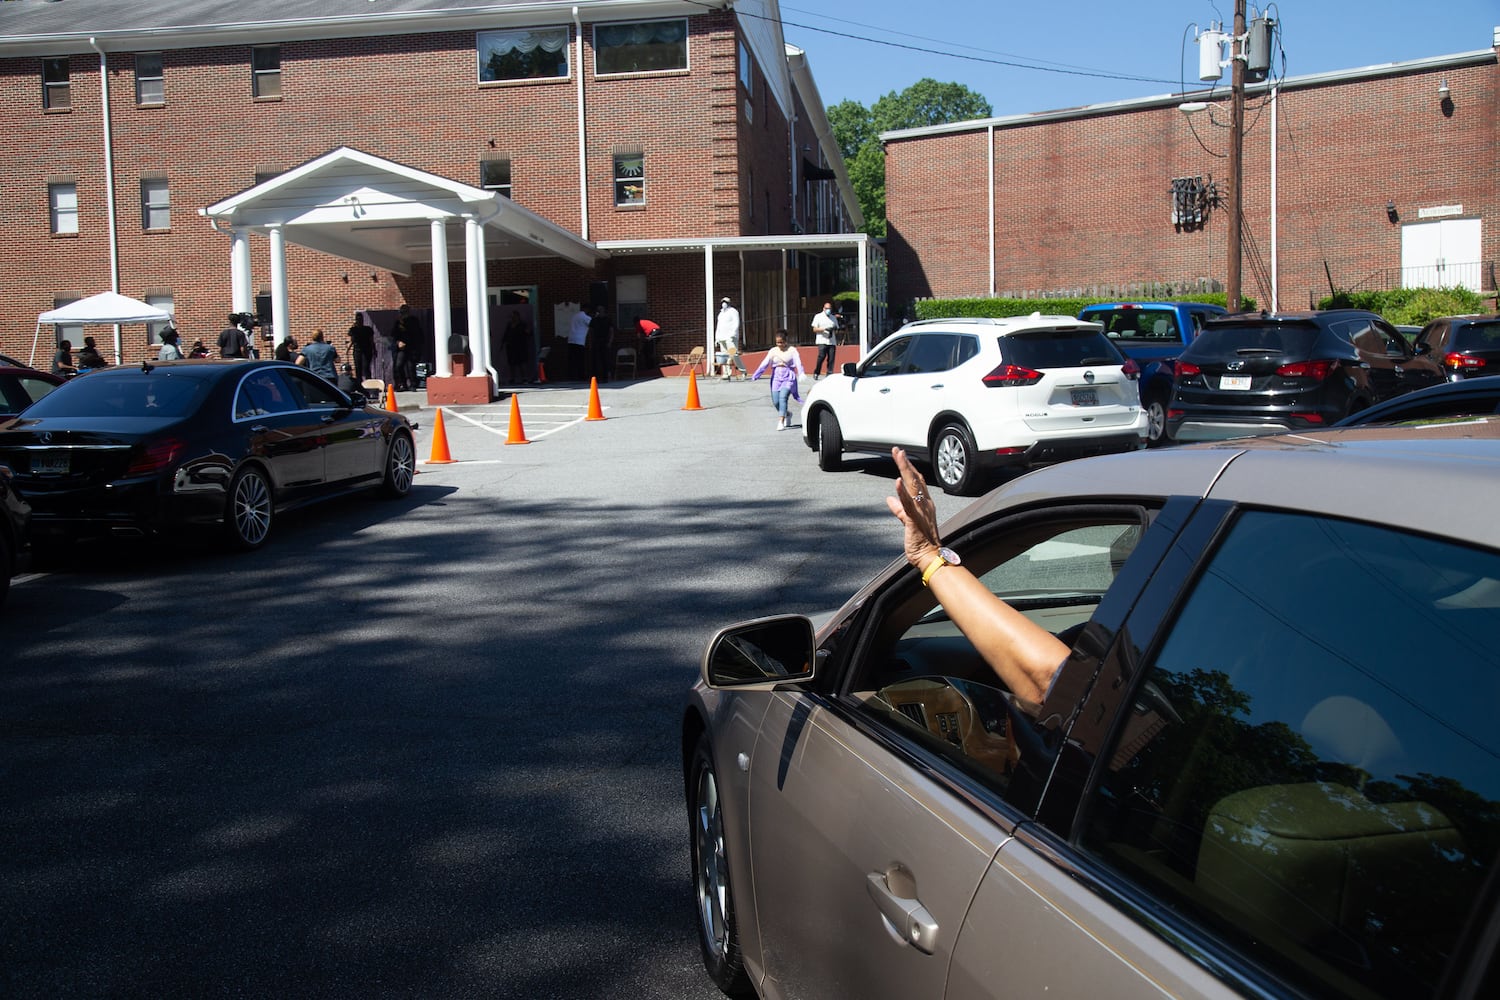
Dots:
(109, 182)
(583, 159)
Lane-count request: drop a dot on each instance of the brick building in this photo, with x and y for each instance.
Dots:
(1387, 176)
(316, 158)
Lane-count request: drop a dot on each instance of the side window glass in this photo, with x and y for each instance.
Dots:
(920, 675)
(968, 347)
(262, 393)
(888, 360)
(931, 352)
(313, 392)
(1310, 765)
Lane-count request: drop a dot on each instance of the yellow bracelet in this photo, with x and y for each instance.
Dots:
(938, 562)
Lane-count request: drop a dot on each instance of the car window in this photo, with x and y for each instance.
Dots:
(1223, 343)
(1309, 767)
(968, 347)
(931, 352)
(134, 393)
(920, 676)
(888, 360)
(1067, 348)
(315, 393)
(18, 391)
(263, 392)
(1477, 337)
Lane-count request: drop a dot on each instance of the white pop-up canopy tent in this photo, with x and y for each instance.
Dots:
(105, 308)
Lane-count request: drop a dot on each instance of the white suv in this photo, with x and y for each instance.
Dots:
(973, 395)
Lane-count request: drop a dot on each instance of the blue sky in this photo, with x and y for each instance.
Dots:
(1058, 43)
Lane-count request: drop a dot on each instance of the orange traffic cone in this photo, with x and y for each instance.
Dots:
(692, 400)
(440, 454)
(596, 412)
(390, 397)
(541, 372)
(517, 433)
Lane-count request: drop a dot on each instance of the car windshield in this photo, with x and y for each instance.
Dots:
(1059, 348)
(158, 393)
(1231, 341)
(1477, 337)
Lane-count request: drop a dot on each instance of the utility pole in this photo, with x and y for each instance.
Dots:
(1236, 156)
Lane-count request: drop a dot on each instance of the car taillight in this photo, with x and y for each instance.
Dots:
(155, 456)
(1455, 360)
(1008, 375)
(1130, 369)
(1318, 370)
(1188, 368)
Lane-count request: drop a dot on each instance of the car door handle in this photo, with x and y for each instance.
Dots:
(884, 390)
(327, 420)
(907, 917)
(258, 428)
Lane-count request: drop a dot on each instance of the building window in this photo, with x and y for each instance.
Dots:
(57, 87)
(641, 47)
(71, 332)
(630, 177)
(150, 88)
(156, 204)
(747, 81)
(161, 302)
(265, 66)
(535, 54)
(62, 200)
(630, 303)
(494, 175)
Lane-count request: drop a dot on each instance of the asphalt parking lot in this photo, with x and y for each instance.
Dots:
(424, 747)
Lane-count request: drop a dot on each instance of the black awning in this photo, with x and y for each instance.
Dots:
(811, 171)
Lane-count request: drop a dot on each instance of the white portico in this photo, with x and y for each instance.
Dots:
(391, 217)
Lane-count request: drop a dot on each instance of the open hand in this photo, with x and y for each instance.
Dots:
(915, 510)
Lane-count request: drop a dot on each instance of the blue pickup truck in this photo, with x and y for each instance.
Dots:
(1152, 334)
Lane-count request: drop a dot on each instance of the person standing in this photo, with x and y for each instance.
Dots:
(825, 335)
(232, 340)
(320, 358)
(62, 361)
(601, 334)
(362, 347)
(727, 338)
(286, 350)
(516, 342)
(408, 346)
(170, 351)
(786, 369)
(578, 340)
(89, 356)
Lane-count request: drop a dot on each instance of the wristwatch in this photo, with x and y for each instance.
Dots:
(945, 557)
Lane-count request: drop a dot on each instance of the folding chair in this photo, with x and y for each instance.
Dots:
(625, 358)
(696, 359)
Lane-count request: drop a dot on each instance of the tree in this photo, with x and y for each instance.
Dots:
(857, 131)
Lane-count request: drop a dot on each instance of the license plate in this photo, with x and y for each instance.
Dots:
(50, 464)
(1085, 397)
(1234, 381)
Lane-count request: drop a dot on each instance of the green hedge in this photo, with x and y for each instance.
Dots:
(1409, 306)
(997, 308)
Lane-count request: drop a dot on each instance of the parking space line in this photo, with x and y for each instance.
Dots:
(500, 427)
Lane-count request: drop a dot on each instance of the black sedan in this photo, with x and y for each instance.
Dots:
(136, 450)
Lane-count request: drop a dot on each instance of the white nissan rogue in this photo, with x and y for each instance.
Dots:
(970, 396)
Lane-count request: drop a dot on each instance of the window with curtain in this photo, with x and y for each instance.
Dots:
(640, 47)
(630, 176)
(530, 54)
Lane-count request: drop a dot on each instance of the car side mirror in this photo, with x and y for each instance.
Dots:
(1421, 349)
(849, 369)
(766, 651)
(358, 399)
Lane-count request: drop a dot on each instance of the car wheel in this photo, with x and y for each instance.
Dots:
(718, 930)
(830, 443)
(1156, 424)
(953, 460)
(400, 466)
(251, 507)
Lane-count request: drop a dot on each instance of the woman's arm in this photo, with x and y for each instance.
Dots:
(1022, 653)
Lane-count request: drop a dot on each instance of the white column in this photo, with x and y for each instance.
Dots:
(280, 301)
(442, 316)
(864, 295)
(479, 348)
(240, 299)
(708, 305)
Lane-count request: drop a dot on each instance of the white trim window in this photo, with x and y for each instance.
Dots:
(265, 72)
(494, 175)
(640, 47)
(155, 329)
(57, 84)
(156, 203)
(62, 206)
(527, 54)
(150, 83)
(630, 176)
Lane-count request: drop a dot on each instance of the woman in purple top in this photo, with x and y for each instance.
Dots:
(786, 369)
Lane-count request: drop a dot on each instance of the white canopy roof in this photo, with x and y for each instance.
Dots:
(106, 307)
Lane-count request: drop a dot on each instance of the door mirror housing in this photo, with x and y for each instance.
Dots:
(764, 652)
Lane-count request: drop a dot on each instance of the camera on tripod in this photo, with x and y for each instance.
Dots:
(246, 321)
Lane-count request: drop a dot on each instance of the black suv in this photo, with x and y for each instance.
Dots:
(1466, 346)
(1261, 373)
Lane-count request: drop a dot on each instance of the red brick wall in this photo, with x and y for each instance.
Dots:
(1084, 204)
(211, 138)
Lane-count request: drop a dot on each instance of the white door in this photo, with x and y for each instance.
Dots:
(1444, 253)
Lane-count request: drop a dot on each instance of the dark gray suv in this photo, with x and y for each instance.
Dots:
(1260, 373)
(1466, 346)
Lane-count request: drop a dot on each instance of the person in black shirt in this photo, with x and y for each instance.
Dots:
(362, 347)
(89, 356)
(232, 341)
